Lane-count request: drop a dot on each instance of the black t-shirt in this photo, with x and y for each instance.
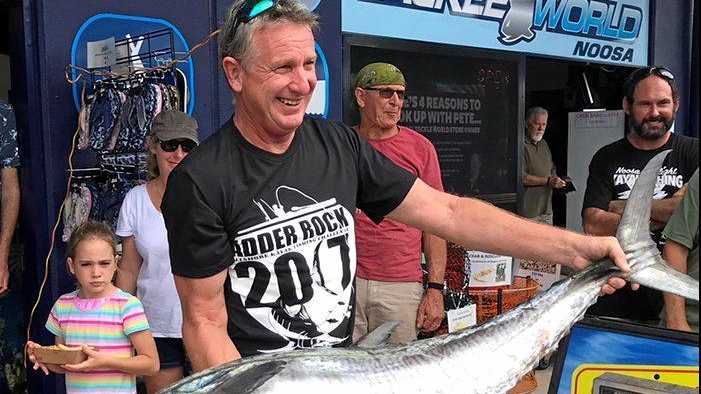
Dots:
(612, 173)
(282, 225)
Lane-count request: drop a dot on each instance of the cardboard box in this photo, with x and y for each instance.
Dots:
(59, 354)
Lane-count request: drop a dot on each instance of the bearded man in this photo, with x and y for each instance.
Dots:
(651, 102)
(539, 175)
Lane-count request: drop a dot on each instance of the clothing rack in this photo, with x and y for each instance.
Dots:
(158, 56)
(134, 79)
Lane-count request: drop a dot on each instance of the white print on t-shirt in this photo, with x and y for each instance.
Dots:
(294, 270)
(668, 176)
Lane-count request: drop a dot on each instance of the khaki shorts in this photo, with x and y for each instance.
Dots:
(379, 302)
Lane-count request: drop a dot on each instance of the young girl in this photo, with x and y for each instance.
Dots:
(100, 316)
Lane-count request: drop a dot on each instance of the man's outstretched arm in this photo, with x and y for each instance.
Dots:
(481, 226)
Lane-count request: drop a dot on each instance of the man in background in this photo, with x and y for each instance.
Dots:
(389, 283)
(651, 102)
(9, 193)
(539, 176)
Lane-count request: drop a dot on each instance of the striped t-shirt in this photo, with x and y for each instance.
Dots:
(104, 323)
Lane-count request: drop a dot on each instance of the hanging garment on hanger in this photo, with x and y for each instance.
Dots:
(103, 116)
(76, 210)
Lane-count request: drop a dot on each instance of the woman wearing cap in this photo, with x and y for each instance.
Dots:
(144, 269)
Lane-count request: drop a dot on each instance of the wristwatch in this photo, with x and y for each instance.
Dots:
(434, 285)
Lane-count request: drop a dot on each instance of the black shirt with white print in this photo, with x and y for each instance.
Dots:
(615, 168)
(612, 173)
(282, 226)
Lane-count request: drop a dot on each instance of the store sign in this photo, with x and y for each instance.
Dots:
(311, 4)
(88, 45)
(606, 31)
(319, 104)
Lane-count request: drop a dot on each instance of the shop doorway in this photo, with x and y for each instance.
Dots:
(562, 87)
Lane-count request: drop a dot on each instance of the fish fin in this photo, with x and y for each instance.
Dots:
(378, 336)
(634, 226)
(250, 379)
(662, 277)
(647, 267)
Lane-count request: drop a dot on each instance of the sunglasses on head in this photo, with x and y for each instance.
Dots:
(251, 9)
(172, 145)
(388, 93)
(645, 72)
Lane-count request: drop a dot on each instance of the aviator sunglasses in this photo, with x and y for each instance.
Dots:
(172, 145)
(388, 93)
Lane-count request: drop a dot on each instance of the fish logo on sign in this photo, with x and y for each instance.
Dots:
(311, 4)
(319, 104)
(519, 20)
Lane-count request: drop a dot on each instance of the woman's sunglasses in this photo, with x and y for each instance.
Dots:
(172, 145)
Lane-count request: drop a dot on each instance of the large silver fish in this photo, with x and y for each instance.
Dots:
(487, 359)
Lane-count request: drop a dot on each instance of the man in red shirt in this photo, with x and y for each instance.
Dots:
(389, 280)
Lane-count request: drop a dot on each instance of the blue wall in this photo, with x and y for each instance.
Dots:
(671, 41)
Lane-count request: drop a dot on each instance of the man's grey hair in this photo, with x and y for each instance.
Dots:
(534, 111)
(237, 43)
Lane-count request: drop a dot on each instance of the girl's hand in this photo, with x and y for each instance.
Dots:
(96, 360)
(30, 352)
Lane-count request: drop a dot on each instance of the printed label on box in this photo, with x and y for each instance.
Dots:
(462, 318)
(544, 273)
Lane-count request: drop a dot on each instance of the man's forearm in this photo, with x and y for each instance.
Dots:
(208, 345)
(482, 226)
(529, 242)
(599, 222)
(675, 311)
(436, 254)
(675, 254)
(9, 207)
(662, 210)
(534, 180)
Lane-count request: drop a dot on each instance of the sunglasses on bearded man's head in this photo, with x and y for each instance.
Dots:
(645, 72)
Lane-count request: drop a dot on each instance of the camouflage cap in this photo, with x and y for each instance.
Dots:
(379, 74)
(172, 124)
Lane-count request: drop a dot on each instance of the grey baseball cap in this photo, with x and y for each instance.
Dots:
(172, 125)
